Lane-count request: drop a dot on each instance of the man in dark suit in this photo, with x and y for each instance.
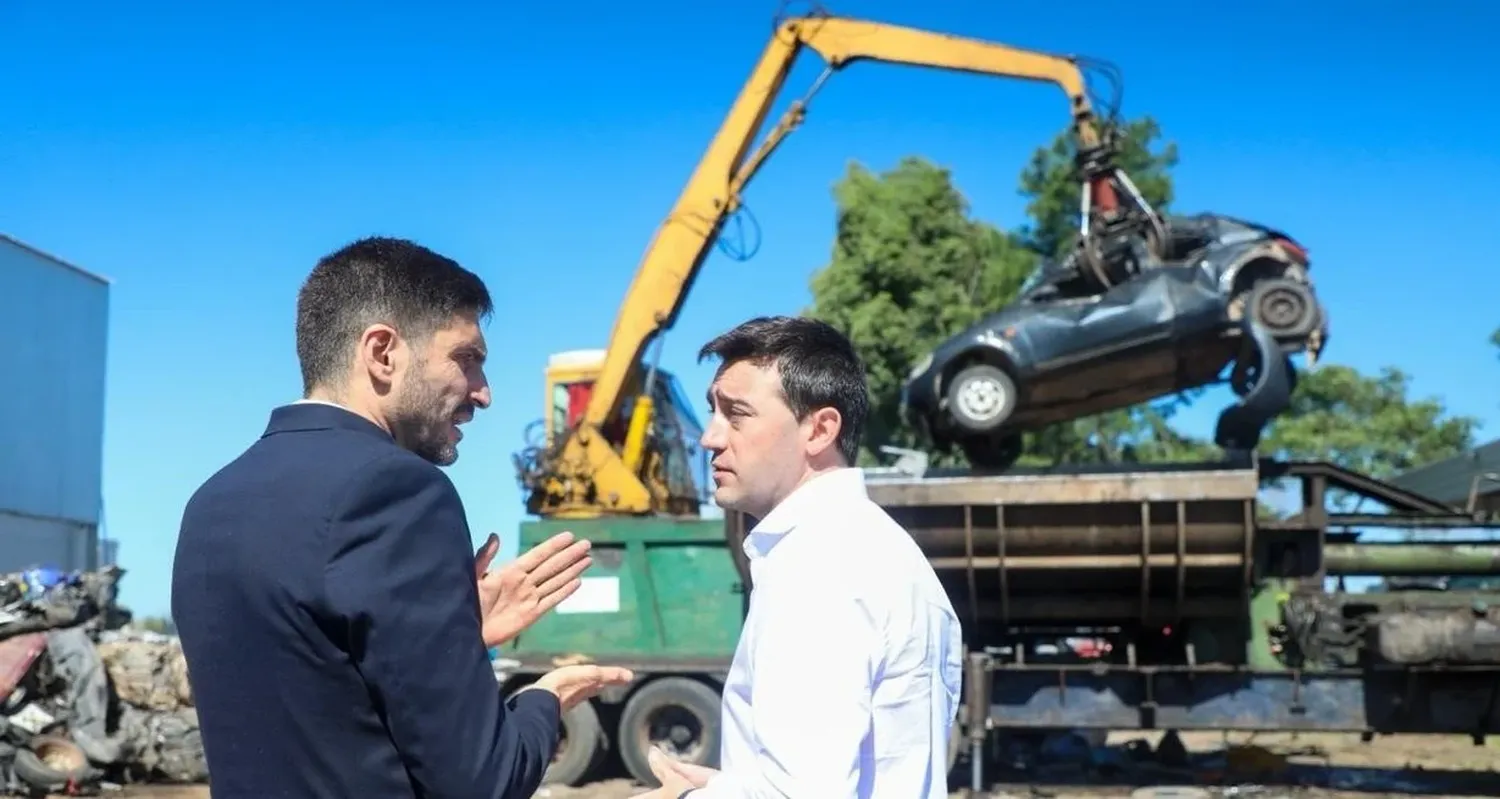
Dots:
(324, 585)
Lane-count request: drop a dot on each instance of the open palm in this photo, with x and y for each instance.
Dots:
(514, 596)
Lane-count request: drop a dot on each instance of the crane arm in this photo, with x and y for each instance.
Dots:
(681, 244)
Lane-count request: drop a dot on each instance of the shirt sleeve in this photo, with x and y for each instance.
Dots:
(400, 578)
(815, 665)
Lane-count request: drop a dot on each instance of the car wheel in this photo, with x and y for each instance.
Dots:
(1285, 307)
(981, 397)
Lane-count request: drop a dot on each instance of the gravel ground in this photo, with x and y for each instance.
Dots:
(1393, 766)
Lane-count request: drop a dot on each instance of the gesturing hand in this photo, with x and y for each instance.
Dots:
(674, 777)
(514, 596)
(574, 684)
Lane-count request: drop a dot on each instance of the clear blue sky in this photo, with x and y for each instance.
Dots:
(204, 155)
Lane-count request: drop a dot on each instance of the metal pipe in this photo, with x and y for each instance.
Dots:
(1411, 559)
(1396, 559)
(977, 694)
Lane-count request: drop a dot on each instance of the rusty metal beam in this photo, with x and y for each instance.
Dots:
(1188, 485)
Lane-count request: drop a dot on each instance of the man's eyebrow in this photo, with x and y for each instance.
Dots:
(475, 351)
(730, 402)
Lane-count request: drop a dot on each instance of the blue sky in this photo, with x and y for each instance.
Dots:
(203, 156)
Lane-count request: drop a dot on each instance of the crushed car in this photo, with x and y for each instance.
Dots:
(85, 701)
(1205, 293)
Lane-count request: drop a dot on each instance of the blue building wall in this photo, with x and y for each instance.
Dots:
(54, 322)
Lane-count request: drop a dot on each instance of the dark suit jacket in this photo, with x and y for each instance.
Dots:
(323, 589)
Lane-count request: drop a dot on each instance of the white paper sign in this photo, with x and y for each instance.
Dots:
(595, 595)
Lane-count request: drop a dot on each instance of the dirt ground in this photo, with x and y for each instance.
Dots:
(1315, 765)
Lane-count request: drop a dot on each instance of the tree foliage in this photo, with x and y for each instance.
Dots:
(1364, 423)
(910, 267)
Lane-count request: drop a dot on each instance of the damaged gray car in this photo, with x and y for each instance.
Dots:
(1203, 295)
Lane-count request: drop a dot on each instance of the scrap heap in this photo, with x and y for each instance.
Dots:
(86, 700)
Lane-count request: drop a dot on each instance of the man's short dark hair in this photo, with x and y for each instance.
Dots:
(818, 365)
(378, 280)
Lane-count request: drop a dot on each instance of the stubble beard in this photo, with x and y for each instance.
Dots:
(421, 423)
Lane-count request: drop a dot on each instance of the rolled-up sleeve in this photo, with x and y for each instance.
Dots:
(400, 578)
(814, 668)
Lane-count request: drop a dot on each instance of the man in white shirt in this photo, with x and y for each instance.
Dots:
(846, 679)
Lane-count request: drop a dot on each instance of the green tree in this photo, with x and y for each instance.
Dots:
(1367, 424)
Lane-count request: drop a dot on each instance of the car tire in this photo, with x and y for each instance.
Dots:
(981, 397)
(1286, 308)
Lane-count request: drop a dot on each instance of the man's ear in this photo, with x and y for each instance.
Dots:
(379, 353)
(823, 425)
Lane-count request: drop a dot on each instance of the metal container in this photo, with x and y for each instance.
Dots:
(54, 319)
(1092, 548)
(660, 593)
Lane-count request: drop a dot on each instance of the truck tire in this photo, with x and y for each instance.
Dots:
(583, 747)
(680, 714)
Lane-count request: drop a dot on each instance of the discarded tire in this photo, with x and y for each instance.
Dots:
(52, 763)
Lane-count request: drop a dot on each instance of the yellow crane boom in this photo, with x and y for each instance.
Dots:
(583, 472)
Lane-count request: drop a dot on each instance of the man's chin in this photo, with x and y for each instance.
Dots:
(726, 498)
(446, 455)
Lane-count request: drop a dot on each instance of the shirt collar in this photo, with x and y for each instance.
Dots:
(809, 499)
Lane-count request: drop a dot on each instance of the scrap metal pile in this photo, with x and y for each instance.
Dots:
(85, 702)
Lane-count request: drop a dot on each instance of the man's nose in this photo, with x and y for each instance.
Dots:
(482, 396)
(711, 439)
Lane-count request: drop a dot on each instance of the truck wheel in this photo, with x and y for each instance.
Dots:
(675, 713)
(581, 749)
(981, 397)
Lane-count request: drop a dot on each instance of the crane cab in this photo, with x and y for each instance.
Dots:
(674, 465)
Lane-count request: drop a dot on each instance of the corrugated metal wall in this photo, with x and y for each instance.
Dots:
(54, 321)
(29, 541)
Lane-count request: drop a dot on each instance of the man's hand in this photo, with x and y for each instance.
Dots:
(514, 596)
(674, 776)
(574, 684)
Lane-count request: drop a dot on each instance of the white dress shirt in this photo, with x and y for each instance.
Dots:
(846, 678)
